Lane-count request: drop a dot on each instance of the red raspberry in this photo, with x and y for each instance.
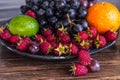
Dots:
(79, 70)
(27, 40)
(81, 36)
(6, 35)
(84, 57)
(15, 39)
(45, 47)
(22, 46)
(53, 44)
(110, 36)
(92, 32)
(31, 13)
(65, 38)
(39, 38)
(50, 38)
(100, 41)
(59, 50)
(84, 45)
(61, 31)
(73, 49)
(47, 32)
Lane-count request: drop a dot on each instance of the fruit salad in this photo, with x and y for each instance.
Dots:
(60, 28)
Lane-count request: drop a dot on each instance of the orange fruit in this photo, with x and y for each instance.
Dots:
(104, 16)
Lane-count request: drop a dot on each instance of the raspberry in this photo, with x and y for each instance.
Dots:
(59, 50)
(84, 45)
(15, 39)
(27, 40)
(92, 32)
(65, 38)
(110, 36)
(78, 69)
(31, 13)
(47, 32)
(45, 47)
(61, 31)
(22, 46)
(50, 38)
(81, 36)
(100, 41)
(84, 57)
(73, 49)
(39, 38)
(5, 35)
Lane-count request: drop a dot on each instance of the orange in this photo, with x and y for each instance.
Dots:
(104, 16)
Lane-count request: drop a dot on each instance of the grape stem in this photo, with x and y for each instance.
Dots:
(69, 20)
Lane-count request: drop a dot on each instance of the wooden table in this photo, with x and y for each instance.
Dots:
(16, 67)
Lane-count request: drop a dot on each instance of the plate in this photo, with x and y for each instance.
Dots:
(48, 57)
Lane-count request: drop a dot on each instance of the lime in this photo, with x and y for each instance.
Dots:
(23, 25)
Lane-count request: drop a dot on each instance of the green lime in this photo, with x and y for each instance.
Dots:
(23, 25)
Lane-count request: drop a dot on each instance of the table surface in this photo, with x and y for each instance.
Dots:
(16, 67)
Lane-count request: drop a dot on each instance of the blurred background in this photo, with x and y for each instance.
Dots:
(10, 8)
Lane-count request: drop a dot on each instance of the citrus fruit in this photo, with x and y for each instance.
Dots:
(23, 25)
(104, 16)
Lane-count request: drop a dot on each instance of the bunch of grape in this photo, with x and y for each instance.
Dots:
(54, 13)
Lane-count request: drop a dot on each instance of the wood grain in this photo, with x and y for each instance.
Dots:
(16, 67)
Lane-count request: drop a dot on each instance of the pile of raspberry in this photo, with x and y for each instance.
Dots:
(62, 43)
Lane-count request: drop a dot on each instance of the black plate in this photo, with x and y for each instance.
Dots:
(48, 57)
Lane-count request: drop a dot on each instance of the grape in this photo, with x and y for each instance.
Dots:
(29, 3)
(59, 14)
(72, 13)
(82, 12)
(65, 23)
(43, 22)
(40, 12)
(84, 3)
(53, 20)
(77, 28)
(84, 23)
(58, 24)
(49, 12)
(75, 4)
(45, 5)
(52, 3)
(94, 66)
(34, 48)
(34, 8)
(67, 7)
(24, 8)
(54, 13)
(39, 2)
(60, 4)
(35, 2)
(91, 2)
